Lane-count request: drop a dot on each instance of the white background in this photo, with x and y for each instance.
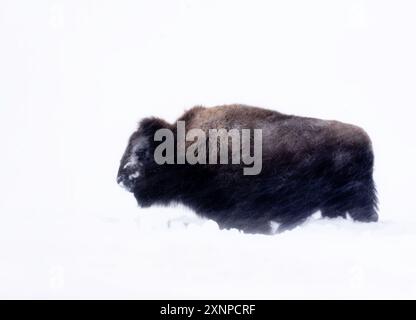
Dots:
(76, 76)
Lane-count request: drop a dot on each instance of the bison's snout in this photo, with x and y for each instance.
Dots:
(127, 177)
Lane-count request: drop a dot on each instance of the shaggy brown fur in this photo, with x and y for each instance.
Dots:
(308, 165)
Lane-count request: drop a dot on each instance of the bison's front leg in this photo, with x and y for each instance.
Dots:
(250, 226)
(293, 220)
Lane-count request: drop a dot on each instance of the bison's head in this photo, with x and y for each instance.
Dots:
(138, 172)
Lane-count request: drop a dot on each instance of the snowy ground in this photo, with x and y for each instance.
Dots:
(107, 257)
(75, 76)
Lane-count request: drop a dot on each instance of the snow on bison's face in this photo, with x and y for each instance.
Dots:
(138, 172)
(133, 162)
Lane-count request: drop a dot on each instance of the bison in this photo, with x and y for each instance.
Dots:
(307, 165)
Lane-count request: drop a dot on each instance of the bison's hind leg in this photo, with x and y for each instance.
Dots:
(336, 205)
(351, 187)
(364, 214)
(333, 212)
(363, 205)
(357, 198)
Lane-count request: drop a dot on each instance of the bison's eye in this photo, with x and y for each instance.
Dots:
(141, 154)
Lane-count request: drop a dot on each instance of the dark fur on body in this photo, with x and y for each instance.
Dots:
(308, 165)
